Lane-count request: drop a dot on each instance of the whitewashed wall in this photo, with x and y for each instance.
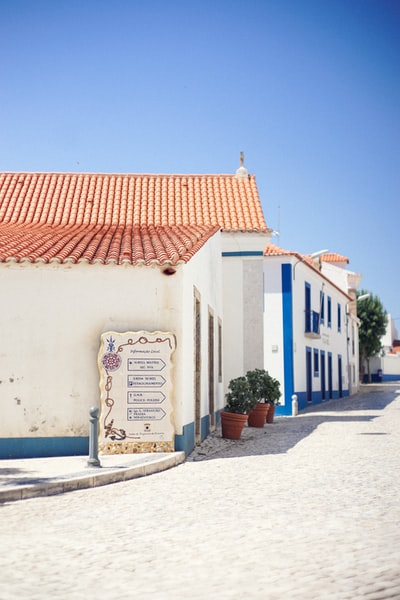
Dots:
(203, 273)
(242, 272)
(354, 361)
(50, 325)
(277, 330)
(389, 364)
(52, 320)
(331, 339)
(273, 321)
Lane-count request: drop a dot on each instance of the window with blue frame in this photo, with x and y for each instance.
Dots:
(307, 307)
(316, 363)
(322, 307)
(329, 311)
(339, 317)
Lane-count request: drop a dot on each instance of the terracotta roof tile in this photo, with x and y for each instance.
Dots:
(333, 257)
(100, 199)
(273, 250)
(105, 244)
(115, 218)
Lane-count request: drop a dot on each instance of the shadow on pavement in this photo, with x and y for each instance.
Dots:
(15, 476)
(286, 432)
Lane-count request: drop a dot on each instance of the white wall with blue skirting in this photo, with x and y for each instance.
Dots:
(185, 442)
(307, 347)
(37, 447)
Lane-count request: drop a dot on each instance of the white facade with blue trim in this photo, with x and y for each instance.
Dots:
(310, 332)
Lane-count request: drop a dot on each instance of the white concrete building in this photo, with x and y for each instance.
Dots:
(386, 366)
(83, 254)
(310, 333)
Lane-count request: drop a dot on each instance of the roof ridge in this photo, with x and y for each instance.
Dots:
(122, 173)
(232, 203)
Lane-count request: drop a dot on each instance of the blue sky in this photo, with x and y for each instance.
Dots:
(308, 89)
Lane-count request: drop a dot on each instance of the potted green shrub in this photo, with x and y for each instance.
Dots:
(266, 390)
(258, 380)
(239, 402)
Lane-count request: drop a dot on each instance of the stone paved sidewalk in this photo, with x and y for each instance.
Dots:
(31, 477)
(305, 509)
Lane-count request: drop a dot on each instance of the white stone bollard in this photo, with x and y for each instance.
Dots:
(295, 406)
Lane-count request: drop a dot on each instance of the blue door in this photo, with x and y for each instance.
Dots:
(307, 308)
(309, 374)
(330, 386)
(340, 376)
(323, 383)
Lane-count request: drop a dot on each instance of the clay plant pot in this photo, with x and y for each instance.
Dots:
(232, 424)
(258, 415)
(270, 413)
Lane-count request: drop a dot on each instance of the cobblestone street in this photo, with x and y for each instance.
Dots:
(306, 508)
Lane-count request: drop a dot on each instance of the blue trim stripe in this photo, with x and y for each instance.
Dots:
(244, 253)
(39, 447)
(204, 427)
(287, 315)
(185, 442)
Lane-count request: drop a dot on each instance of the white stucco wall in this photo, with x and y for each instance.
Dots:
(203, 273)
(50, 325)
(353, 346)
(273, 315)
(389, 363)
(330, 339)
(242, 273)
(233, 318)
(337, 274)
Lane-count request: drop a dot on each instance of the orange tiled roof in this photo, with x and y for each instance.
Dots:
(112, 217)
(102, 243)
(68, 199)
(333, 257)
(273, 250)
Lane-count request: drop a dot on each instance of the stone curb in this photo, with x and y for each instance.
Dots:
(95, 477)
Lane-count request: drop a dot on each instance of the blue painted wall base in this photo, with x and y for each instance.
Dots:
(378, 379)
(185, 442)
(286, 410)
(79, 446)
(43, 447)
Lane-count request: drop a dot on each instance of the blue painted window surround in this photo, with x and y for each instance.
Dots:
(307, 307)
(322, 308)
(329, 311)
(339, 317)
(316, 363)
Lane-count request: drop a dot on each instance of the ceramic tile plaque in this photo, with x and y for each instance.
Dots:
(136, 392)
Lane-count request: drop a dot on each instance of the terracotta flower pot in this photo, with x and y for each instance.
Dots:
(258, 415)
(232, 424)
(270, 413)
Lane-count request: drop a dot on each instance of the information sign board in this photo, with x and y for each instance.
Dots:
(136, 392)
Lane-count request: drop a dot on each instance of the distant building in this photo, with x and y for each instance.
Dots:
(386, 365)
